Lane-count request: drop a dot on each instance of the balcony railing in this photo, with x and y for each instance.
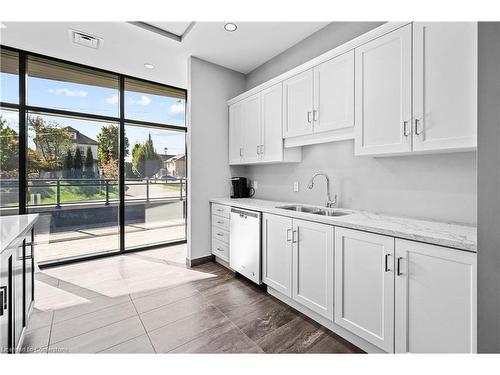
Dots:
(61, 192)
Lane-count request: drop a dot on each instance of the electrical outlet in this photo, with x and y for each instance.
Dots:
(296, 186)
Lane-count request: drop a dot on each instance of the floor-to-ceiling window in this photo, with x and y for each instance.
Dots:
(100, 156)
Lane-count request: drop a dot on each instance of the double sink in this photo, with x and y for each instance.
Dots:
(316, 210)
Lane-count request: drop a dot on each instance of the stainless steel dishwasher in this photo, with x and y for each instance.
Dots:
(244, 243)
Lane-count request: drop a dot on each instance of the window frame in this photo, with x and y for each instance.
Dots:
(23, 109)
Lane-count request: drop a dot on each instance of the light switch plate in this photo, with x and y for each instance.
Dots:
(296, 186)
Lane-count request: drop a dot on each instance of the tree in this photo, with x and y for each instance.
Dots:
(108, 139)
(110, 169)
(89, 164)
(51, 141)
(77, 164)
(68, 165)
(145, 161)
(9, 149)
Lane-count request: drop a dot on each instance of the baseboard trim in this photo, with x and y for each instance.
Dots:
(197, 261)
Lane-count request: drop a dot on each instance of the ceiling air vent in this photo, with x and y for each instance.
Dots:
(84, 39)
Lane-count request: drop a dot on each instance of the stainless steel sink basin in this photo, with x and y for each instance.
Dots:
(315, 210)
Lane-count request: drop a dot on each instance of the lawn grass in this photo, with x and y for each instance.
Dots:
(72, 194)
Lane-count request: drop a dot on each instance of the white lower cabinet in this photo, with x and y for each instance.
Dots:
(405, 296)
(312, 264)
(277, 253)
(298, 261)
(364, 286)
(435, 299)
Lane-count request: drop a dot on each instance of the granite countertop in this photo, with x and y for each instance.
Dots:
(12, 226)
(462, 237)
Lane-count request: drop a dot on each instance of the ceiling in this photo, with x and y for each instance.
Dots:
(127, 47)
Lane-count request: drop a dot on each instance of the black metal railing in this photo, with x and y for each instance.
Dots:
(55, 191)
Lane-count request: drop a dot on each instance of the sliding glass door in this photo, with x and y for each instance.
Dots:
(99, 156)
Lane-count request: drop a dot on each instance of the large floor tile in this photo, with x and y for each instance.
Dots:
(138, 345)
(297, 336)
(170, 313)
(40, 319)
(222, 339)
(164, 297)
(102, 338)
(88, 322)
(331, 343)
(89, 306)
(36, 340)
(232, 294)
(262, 317)
(181, 331)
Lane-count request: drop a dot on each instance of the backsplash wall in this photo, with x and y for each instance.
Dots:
(434, 187)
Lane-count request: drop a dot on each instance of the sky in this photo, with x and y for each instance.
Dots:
(102, 101)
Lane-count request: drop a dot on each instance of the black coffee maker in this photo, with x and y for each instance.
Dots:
(240, 188)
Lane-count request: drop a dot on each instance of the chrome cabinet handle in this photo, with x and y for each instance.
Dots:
(3, 300)
(220, 222)
(314, 115)
(295, 235)
(288, 232)
(417, 122)
(220, 210)
(309, 116)
(219, 249)
(405, 129)
(262, 149)
(220, 234)
(258, 150)
(387, 269)
(398, 272)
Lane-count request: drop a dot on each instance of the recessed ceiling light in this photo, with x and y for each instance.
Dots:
(149, 66)
(230, 26)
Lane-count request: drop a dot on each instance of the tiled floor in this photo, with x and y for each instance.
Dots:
(148, 302)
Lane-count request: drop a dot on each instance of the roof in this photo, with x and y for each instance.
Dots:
(81, 139)
(177, 157)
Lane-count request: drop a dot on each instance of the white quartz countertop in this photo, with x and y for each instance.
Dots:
(12, 226)
(463, 237)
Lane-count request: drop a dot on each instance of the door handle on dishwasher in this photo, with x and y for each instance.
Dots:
(295, 235)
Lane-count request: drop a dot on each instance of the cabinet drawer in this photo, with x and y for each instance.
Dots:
(220, 234)
(220, 210)
(220, 221)
(220, 249)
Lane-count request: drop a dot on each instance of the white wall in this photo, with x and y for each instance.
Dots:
(209, 174)
(436, 187)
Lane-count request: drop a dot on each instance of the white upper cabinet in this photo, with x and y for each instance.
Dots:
(364, 285)
(251, 129)
(445, 85)
(255, 130)
(440, 74)
(271, 148)
(298, 105)
(435, 299)
(235, 133)
(334, 94)
(383, 94)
